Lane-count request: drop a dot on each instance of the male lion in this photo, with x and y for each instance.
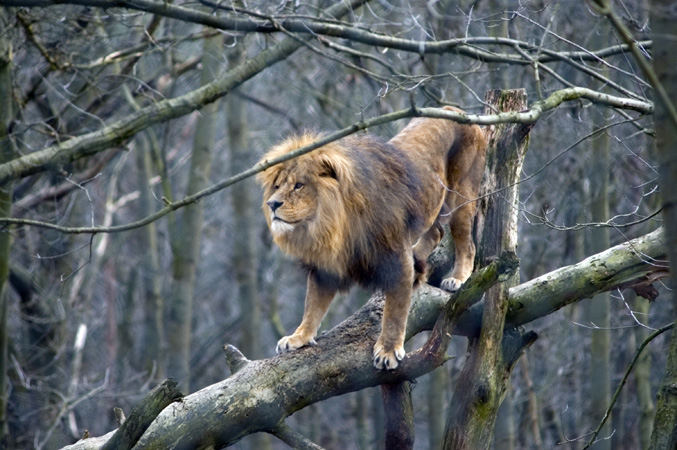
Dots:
(368, 211)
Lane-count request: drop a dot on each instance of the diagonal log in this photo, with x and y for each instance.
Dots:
(263, 392)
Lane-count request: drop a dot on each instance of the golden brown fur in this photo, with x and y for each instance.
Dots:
(368, 211)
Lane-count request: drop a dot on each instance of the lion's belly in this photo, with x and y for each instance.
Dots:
(379, 270)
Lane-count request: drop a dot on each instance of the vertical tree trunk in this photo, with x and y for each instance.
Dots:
(244, 232)
(362, 428)
(643, 374)
(186, 241)
(436, 400)
(153, 305)
(484, 379)
(597, 309)
(532, 413)
(399, 426)
(497, 76)
(663, 18)
(378, 420)
(504, 431)
(245, 206)
(6, 153)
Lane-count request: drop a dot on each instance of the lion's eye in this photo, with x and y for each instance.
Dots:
(298, 186)
(276, 187)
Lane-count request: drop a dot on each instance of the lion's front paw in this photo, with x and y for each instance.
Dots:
(289, 343)
(385, 359)
(451, 284)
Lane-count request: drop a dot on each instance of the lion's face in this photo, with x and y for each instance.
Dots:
(290, 202)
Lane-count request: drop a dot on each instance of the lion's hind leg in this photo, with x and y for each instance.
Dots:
(422, 249)
(464, 247)
(464, 176)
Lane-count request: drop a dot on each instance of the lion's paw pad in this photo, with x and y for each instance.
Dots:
(451, 284)
(387, 360)
(289, 343)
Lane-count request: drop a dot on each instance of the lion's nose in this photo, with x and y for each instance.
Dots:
(274, 204)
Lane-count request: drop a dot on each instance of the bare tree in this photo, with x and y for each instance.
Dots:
(136, 249)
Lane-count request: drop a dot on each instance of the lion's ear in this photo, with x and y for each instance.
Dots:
(328, 169)
(335, 165)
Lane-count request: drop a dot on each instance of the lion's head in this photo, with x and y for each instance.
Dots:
(305, 202)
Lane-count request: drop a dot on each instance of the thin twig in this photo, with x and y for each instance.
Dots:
(646, 341)
(293, 438)
(604, 7)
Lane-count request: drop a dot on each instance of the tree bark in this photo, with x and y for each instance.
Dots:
(485, 377)
(662, 17)
(399, 426)
(153, 302)
(6, 154)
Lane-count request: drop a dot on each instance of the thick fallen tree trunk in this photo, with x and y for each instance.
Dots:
(261, 394)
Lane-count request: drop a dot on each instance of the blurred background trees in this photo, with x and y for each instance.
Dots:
(161, 300)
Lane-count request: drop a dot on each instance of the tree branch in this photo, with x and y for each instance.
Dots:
(293, 438)
(271, 389)
(466, 46)
(91, 143)
(119, 131)
(605, 8)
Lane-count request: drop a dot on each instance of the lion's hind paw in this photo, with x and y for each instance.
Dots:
(451, 284)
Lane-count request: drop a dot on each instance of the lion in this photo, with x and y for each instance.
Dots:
(368, 211)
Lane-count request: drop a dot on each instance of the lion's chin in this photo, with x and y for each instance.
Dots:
(278, 227)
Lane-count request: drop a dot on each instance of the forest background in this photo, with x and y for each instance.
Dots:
(115, 113)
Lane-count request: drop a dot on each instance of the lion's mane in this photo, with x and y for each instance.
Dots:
(368, 205)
